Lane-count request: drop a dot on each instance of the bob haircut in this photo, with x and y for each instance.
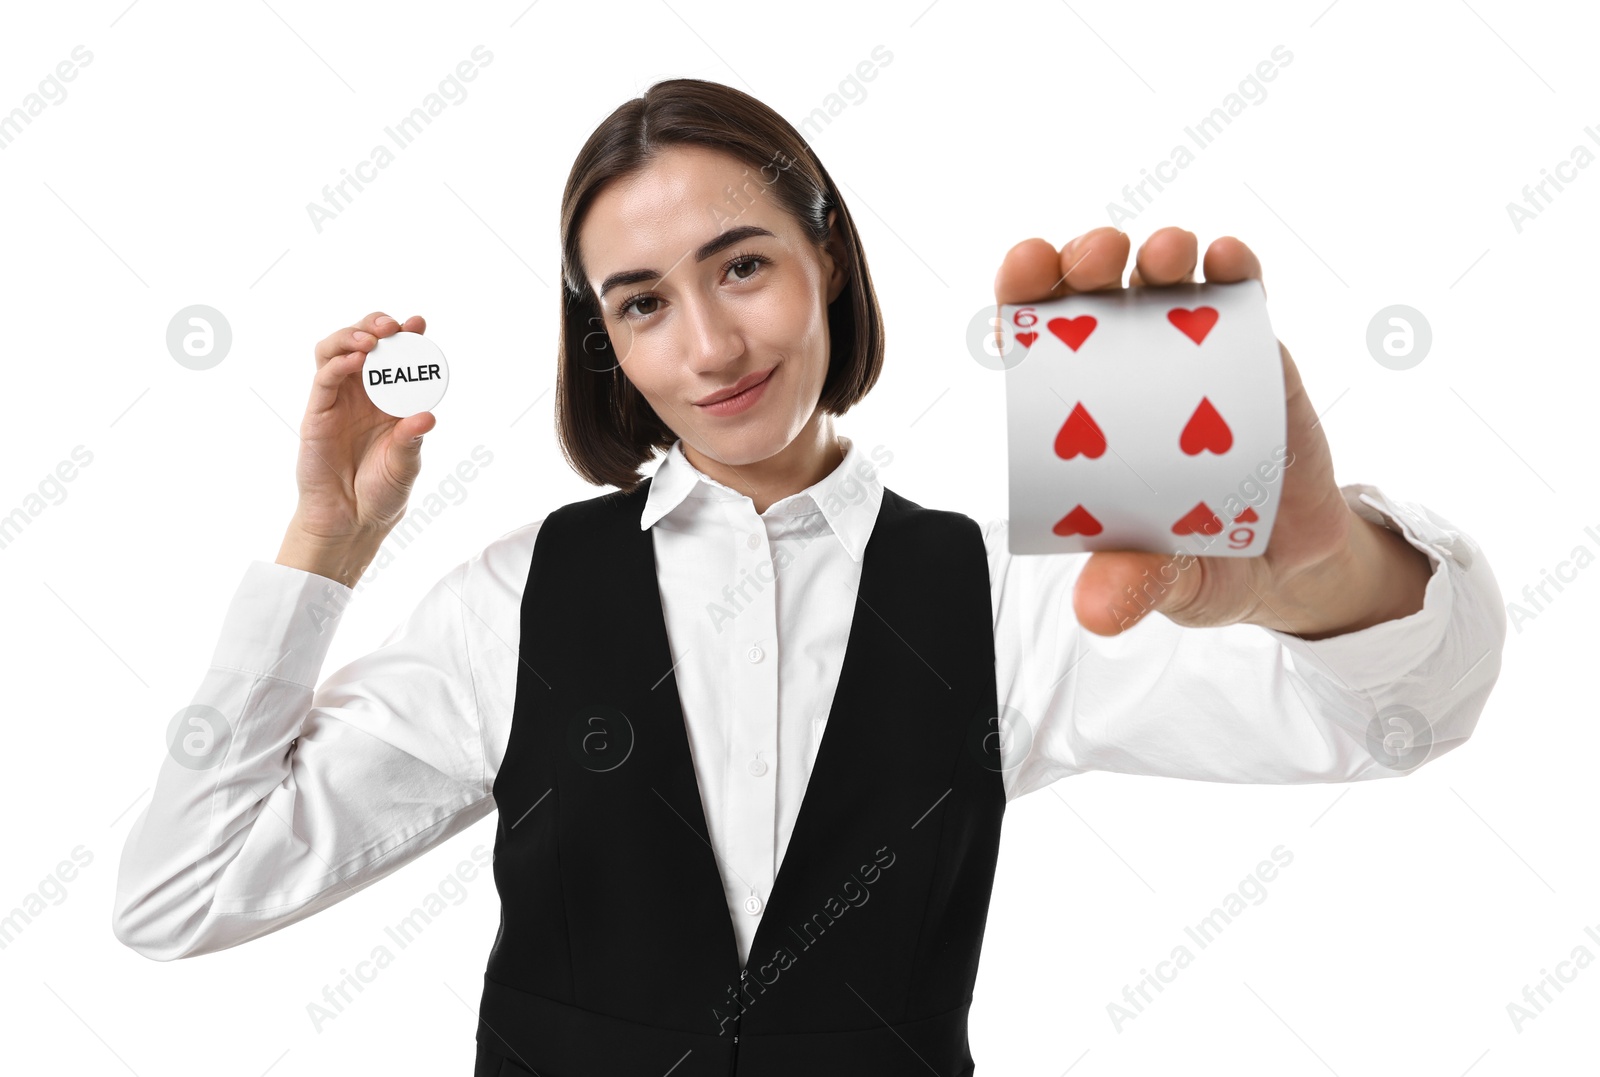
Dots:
(605, 427)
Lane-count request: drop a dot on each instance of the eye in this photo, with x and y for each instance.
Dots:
(754, 261)
(642, 297)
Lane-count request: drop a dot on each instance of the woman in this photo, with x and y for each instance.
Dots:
(668, 693)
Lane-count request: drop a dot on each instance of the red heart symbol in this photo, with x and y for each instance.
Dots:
(1196, 323)
(1079, 434)
(1248, 516)
(1072, 331)
(1077, 522)
(1027, 339)
(1205, 430)
(1198, 519)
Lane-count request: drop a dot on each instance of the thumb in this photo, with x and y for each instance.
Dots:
(405, 445)
(1117, 588)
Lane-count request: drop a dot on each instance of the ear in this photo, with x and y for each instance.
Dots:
(835, 258)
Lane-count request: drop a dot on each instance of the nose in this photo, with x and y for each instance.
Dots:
(712, 334)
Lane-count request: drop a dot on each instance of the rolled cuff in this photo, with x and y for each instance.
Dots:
(281, 623)
(1383, 653)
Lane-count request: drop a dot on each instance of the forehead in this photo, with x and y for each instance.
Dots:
(684, 197)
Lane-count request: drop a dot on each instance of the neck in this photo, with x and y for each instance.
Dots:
(804, 462)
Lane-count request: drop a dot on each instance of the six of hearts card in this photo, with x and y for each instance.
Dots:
(1145, 419)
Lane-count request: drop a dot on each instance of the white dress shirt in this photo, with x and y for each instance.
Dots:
(327, 787)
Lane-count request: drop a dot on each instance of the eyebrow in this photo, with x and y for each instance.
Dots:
(711, 246)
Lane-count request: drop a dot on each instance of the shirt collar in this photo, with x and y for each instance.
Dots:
(848, 497)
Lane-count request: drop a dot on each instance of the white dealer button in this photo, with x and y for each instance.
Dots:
(405, 373)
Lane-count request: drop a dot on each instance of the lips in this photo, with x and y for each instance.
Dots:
(737, 387)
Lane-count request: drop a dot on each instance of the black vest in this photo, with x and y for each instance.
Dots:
(616, 953)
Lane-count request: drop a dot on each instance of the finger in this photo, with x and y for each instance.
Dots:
(1033, 270)
(413, 324)
(1117, 589)
(1228, 259)
(330, 375)
(344, 342)
(404, 449)
(379, 324)
(1167, 257)
(407, 433)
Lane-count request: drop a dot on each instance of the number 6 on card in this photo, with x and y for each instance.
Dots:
(1148, 418)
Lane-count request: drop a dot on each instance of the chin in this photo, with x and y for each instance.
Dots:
(749, 447)
(752, 443)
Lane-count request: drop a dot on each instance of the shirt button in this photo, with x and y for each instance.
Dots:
(753, 541)
(758, 767)
(755, 653)
(752, 904)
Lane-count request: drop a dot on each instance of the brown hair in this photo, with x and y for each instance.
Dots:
(605, 427)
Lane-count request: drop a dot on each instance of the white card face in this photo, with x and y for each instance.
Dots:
(1145, 419)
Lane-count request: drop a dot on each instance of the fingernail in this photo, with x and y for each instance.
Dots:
(362, 338)
(382, 320)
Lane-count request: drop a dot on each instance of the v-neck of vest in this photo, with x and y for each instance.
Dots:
(827, 751)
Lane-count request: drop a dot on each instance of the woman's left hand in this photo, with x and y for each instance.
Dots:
(1318, 574)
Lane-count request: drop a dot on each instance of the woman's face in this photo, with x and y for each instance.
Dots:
(693, 306)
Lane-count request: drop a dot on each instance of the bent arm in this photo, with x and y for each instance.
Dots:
(313, 793)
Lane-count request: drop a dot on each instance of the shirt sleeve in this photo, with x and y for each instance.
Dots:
(1243, 703)
(278, 797)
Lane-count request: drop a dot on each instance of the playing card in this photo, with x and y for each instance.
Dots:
(1144, 419)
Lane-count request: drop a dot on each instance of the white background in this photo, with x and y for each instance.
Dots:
(1376, 171)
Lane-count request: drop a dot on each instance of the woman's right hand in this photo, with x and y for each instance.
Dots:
(356, 464)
